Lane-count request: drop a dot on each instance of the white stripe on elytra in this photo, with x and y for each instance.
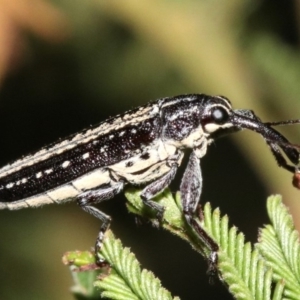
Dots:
(142, 114)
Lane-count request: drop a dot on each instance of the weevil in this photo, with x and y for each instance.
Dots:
(144, 146)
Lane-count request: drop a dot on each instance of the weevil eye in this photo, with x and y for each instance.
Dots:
(219, 115)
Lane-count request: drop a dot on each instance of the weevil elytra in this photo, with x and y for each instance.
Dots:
(144, 146)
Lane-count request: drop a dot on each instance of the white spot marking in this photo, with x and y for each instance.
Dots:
(10, 185)
(121, 133)
(38, 175)
(133, 130)
(111, 136)
(65, 164)
(86, 155)
(102, 150)
(48, 171)
(24, 180)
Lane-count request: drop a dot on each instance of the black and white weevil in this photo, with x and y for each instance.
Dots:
(144, 146)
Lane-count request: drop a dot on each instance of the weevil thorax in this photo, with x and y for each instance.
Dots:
(194, 121)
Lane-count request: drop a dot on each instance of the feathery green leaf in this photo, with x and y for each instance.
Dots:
(243, 270)
(127, 280)
(248, 273)
(279, 245)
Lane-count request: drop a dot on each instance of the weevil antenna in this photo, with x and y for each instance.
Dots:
(282, 123)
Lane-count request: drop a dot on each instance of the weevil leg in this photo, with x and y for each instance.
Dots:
(95, 196)
(190, 190)
(157, 186)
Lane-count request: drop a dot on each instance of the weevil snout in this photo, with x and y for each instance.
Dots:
(218, 119)
(246, 119)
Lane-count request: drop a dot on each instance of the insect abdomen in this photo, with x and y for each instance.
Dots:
(62, 169)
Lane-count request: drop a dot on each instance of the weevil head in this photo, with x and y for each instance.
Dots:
(189, 118)
(194, 121)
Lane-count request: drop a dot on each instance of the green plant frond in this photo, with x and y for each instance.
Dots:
(279, 245)
(270, 270)
(240, 267)
(126, 279)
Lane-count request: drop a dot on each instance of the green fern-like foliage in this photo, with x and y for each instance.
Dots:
(268, 270)
(126, 279)
(241, 268)
(279, 245)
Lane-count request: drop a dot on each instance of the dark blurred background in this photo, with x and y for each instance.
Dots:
(67, 64)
